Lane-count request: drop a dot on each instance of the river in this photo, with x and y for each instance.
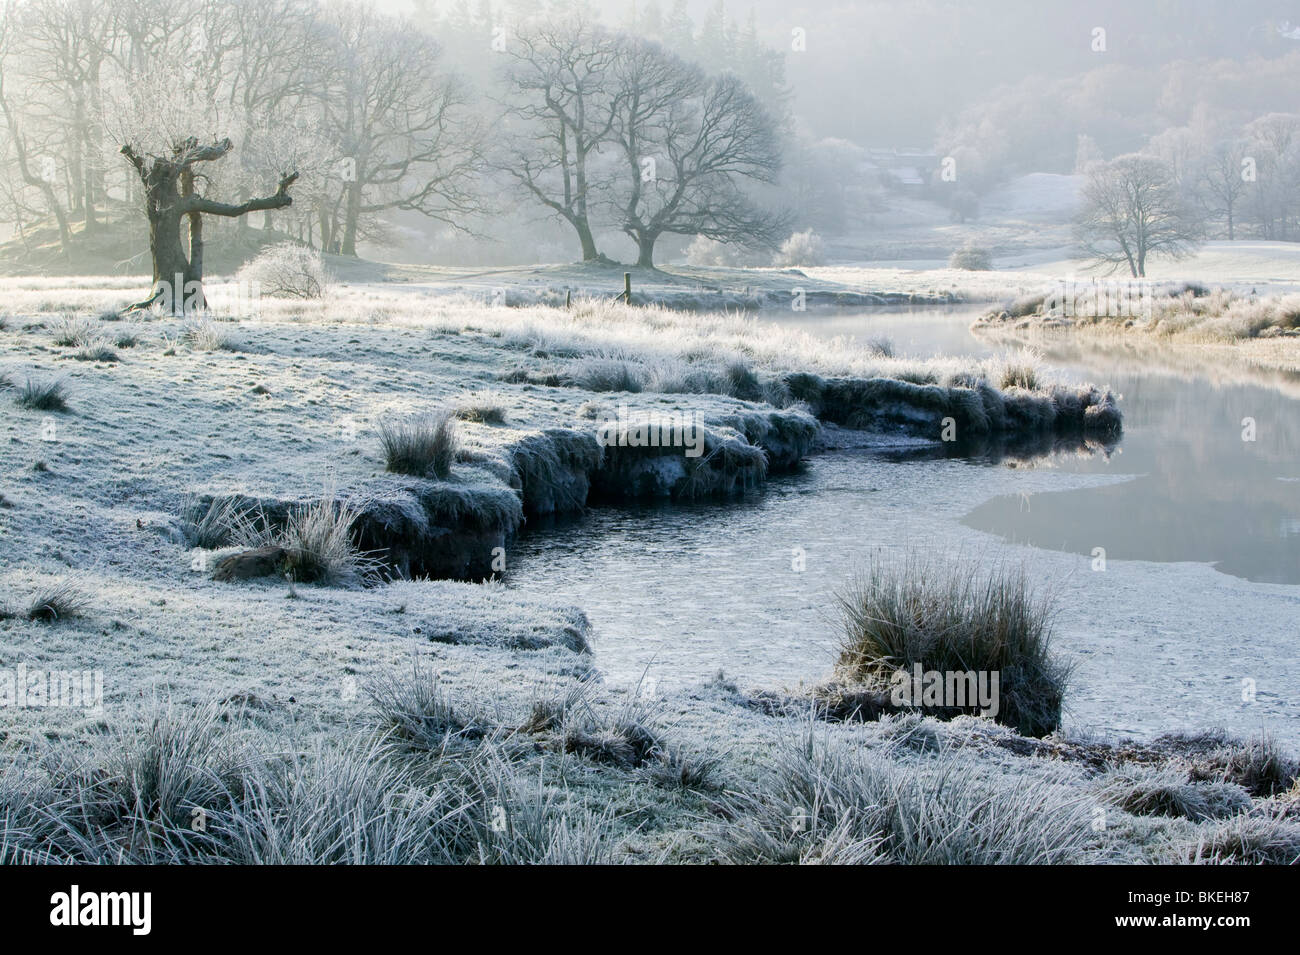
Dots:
(1174, 558)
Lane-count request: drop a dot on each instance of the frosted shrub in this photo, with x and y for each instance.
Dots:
(802, 248)
(706, 251)
(972, 258)
(289, 270)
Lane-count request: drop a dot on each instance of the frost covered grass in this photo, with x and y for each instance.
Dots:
(423, 447)
(1255, 329)
(319, 545)
(432, 773)
(954, 617)
(49, 395)
(1223, 315)
(827, 803)
(1167, 791)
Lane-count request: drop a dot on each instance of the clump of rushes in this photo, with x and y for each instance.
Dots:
(423, 447)
(955, 617)
(43, 396)
(482, 408)
(319, 547)
(57, 602)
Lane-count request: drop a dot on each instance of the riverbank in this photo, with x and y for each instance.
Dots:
(274, 692)
(1247, 328)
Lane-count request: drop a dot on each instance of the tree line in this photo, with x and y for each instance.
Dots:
(331, 118)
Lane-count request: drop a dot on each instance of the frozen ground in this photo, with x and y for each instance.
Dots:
(90, 498)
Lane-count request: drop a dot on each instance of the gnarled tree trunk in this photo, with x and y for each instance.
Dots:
(170, 202)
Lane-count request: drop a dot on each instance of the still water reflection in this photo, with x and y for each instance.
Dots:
(681, 592)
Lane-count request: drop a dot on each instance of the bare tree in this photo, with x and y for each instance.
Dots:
(1222, 182)
(69, 44)
(1131, 210)
(1275, 145)
(29, 175)
(559, 99)
(171, 198)
(688, 143)
(403, 128)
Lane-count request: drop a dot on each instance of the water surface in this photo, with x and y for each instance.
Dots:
(1200, 531)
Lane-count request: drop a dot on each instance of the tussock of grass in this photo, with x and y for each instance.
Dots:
(482, 408)
(207, 335)
(679, 767)
(418, 714)
(624, 740)
(606, 374)
(1258, 764)
(550, 711)
(96, 350)
(60, 601)
(1250, 840)
(741, 382)
(955, 616)
(71, 331)
(828, 803)
(43, 396)
(422, 447)
(1166, 791)
(319, 545)
(1019, 374)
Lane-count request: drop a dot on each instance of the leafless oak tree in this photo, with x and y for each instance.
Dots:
(1131, 210)
(1222, 183)
(559, 105)
(171, 199)
(688, 142)
(406, 138)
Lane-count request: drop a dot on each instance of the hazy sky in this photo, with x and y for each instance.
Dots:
(887, 72)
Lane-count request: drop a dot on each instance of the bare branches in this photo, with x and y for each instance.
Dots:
(1131, 209)
(688, 142)
(279, 200)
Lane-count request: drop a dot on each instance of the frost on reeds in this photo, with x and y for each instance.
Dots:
(828, 803)
(422, 447)
(955, 617)
(1176, 311)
